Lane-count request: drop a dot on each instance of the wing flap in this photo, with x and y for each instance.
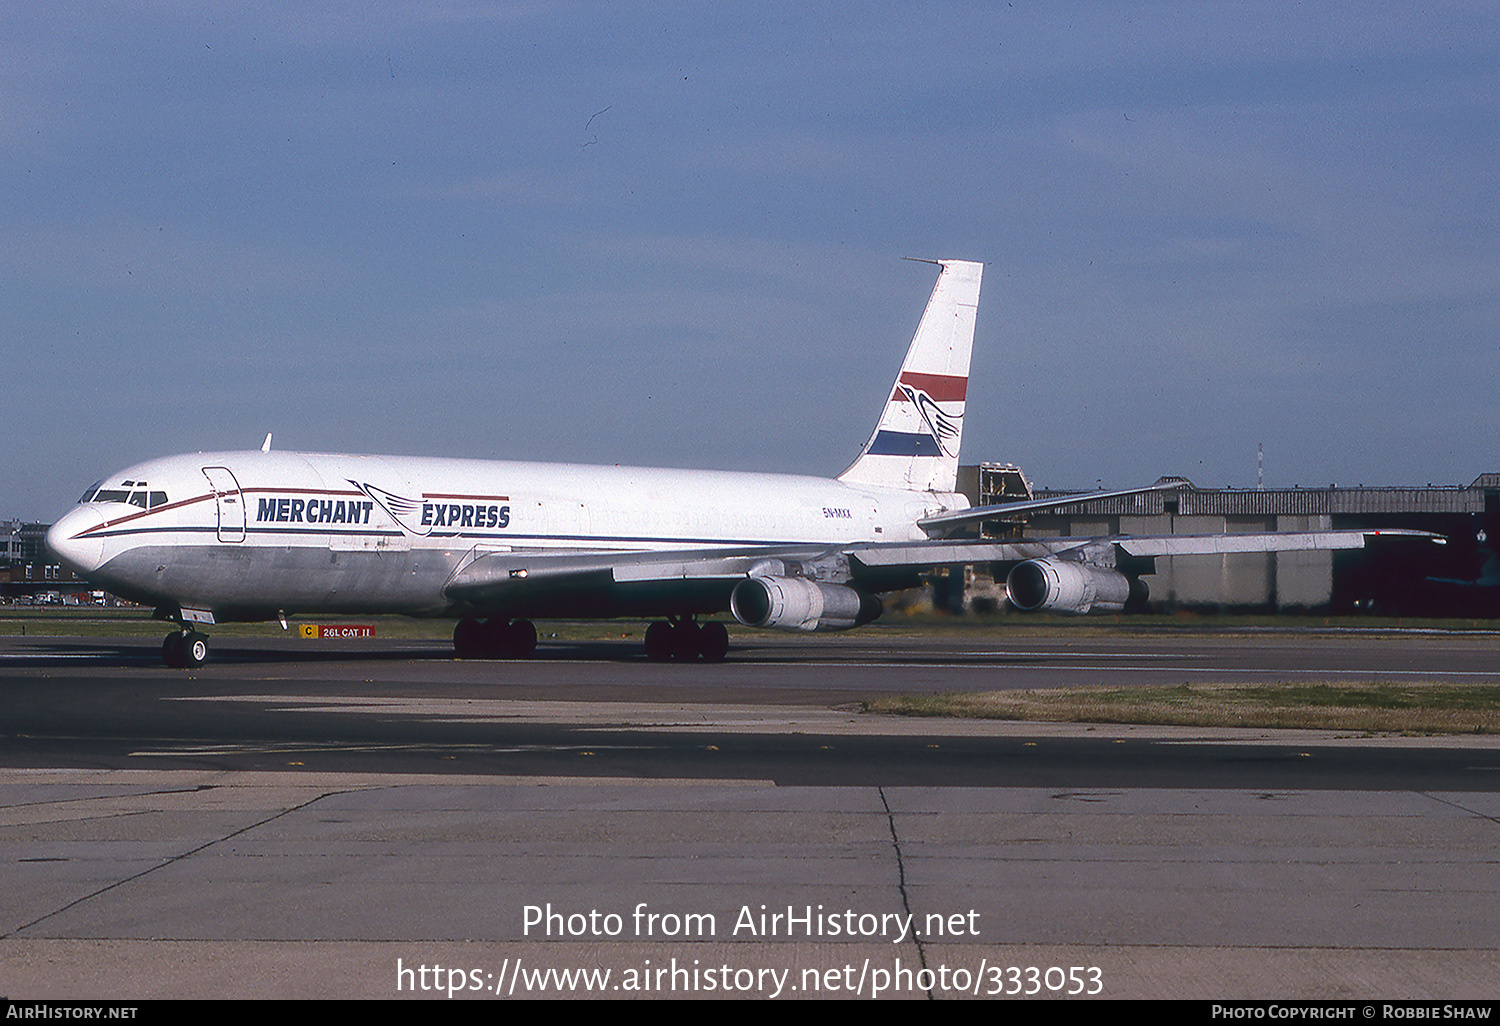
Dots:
(945, 553)
(498, 575)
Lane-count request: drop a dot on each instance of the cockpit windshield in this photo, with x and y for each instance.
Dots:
(136, 493)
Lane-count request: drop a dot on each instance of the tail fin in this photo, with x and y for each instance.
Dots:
(915, 444)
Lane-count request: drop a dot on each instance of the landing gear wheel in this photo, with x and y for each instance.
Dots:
(494, 639)
(659, 642)
(197, 650)
(468, 639)
(713, 642)
(185, 650)
(174, 651)
(685, 641)
(515, 640)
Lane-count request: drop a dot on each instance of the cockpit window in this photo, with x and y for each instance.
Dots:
(136, 493)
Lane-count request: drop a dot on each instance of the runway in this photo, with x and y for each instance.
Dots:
(290, 821)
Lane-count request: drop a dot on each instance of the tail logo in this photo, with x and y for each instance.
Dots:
(944, 428)
(916, 440)
(940, 429)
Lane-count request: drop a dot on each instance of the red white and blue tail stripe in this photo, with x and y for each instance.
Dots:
(915, 444)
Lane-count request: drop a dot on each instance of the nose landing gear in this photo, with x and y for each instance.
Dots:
(185, 649)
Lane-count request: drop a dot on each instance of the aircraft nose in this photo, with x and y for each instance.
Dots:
(69, 539)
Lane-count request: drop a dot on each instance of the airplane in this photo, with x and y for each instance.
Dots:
(215, 537)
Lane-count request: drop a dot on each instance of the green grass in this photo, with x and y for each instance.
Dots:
(1413, 708)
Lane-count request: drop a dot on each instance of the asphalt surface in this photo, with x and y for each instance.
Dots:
(296, 817)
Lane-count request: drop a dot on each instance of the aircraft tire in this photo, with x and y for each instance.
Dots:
(195, 650)
(686, 641)
(659, 642)
(494, 639)
(713, 642)
(174, 651)
(520, 640)
(468, 639)
(185, 651)
(506, 639)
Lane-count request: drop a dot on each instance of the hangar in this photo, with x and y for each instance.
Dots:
(1398, 577)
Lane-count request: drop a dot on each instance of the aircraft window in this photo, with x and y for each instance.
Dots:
(158, 499)
(137, 499)
(88, 495)
(111, 495)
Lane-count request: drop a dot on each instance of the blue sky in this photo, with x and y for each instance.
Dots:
(670, 234)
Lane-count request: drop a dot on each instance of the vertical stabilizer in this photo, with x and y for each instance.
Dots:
(915, 444)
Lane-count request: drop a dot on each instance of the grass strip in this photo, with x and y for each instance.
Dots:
(1406, 708)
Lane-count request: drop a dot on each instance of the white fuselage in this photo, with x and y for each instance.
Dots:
(251, 534)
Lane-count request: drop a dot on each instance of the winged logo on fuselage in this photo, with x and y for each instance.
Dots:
(405, 512)
(424, 517)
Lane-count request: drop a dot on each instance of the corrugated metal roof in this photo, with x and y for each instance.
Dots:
(1284, 501)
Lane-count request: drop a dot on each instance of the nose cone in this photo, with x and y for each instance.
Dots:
(70, 540)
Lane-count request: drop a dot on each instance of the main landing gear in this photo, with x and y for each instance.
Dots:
(686, 641)
(494, 639)
(185, 649)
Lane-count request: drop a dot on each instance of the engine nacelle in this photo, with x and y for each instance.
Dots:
(797, 604)
(1062, 586)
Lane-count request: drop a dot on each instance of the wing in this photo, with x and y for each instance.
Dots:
(949, 553)
(1083, 575)
(551, 583)
(1070, 574)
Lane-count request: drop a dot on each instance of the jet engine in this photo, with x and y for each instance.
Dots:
(797, 604)
(1062, 586)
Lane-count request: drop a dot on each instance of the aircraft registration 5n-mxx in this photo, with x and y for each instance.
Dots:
(240, 536)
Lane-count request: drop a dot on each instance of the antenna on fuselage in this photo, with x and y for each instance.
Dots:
(266, 445)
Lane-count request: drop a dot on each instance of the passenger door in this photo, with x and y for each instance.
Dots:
(230, 503)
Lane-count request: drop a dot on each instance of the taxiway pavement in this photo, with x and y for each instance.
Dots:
(381, 822)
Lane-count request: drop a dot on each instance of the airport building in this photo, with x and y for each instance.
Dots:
(27, 569)
(1397, 576)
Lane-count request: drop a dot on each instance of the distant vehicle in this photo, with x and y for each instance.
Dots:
(225, 536)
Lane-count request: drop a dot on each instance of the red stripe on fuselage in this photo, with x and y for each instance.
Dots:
(481, 498)
(945, 388)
